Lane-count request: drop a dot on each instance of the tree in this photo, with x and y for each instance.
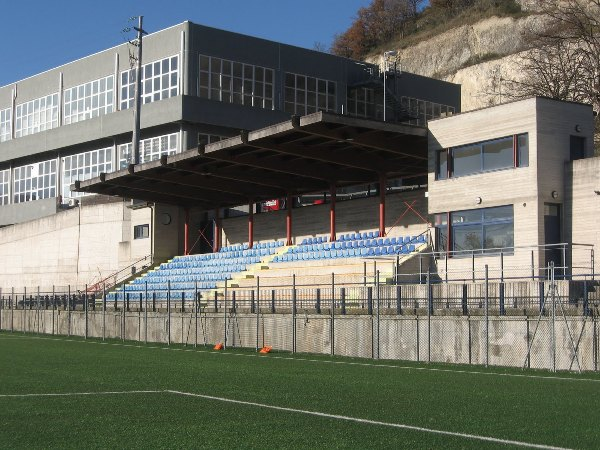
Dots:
(564, 58)
(375, 25)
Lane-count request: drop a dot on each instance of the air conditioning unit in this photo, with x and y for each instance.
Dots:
(73, 202)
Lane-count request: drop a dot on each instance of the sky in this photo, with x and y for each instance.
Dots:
(38, 35)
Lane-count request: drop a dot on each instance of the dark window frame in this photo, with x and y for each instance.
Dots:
(141, 231)
(520, 157)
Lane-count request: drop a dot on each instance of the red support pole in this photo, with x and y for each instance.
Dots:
(288, 220)
(250, 224)
(186, 232)
(382, 188)
(217, 233)
(332, 194)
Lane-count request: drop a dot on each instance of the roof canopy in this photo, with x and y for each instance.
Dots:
(304, 155)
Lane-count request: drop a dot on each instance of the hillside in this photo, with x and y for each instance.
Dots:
(476, 56)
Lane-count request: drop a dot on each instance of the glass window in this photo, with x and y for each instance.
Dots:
(523, 150)
(486, 156)
(301, 94)
(34, 181)
(480, 230)
(151, 149)
(5, 124)
(83, 167)
(4, 180)
(160, 80)
(442, 165)
(466, 160)
(36, 115)
(498, 154)
(235, 82)
(141, 231)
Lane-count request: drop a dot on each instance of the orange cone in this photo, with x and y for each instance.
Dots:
(219, 346)
(265, 349)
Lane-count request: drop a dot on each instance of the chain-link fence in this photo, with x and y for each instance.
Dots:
(543, 323)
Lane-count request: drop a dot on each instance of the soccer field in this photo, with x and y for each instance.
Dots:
(69, 392)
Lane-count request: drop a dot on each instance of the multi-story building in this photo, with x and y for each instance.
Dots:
(199, 84)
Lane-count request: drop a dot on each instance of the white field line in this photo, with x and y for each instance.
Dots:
(322, 361)
(71, 394)
(372, 422)
(299, 411)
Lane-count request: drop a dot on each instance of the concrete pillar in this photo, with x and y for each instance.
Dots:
(332, 194)
(382, 189)
(186, 232)
(217, 232)
(250, 224)
(288, 220)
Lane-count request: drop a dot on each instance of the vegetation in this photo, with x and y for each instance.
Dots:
(400, 23)
(528, 406)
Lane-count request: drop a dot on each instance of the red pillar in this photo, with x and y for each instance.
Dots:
(217, 233)
(332, 194)
(382, 188)
(186, 232)
(288, 220)
(250, 224)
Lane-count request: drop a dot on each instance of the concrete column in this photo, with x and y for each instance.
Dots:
(288, 220)
(250, 224)
(382, 188)
(186, 232)
(217, 233)
(332, 194)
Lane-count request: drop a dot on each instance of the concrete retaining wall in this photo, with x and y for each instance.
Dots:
(447, 339)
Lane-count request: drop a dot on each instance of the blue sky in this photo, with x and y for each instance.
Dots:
(38, 34)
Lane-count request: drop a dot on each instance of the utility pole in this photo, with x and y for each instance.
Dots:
(138, 93)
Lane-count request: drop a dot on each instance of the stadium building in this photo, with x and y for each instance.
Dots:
(248, 143)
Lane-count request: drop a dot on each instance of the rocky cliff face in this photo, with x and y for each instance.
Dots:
(476, 56)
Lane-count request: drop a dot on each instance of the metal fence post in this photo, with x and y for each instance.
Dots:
(196, 305)
(487, 319)
(257, 310)
(318, 301)
(225, 316)
(343, 300)
(294, 313)
(465, 309)
(53, 307)
(378, 306)
(103, 311)
(85, 307)
(332, 312)
(38, 310)
(429, 312)
(501, 299)
(168, 312)
(69, 311)
(398, 299)
(553, 325)
(146, 312)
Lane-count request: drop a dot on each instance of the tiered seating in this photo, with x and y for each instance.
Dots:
(185, 274)
(352, 245)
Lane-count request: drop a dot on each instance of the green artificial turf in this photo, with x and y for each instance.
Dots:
(533, 407)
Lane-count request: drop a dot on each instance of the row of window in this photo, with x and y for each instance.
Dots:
(39, 180)
(36, 115)
(5, 124)
(305, 95)
(160, 80)
(88, 100)
(506, 152)
(477, 230)
(235, 82)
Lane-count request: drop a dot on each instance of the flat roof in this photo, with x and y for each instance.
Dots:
(303, 155)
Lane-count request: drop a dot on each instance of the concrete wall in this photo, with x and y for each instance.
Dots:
(460, 340)
(77, 246)
(582, 212)
(351, 216)
(549, 125)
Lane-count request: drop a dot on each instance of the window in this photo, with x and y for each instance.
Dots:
(496, 154)
(88, 100)
(305, 95)
(141, 231)
(35, 181)
(420, 111)
(209, 138)
(235, 82)
(4, 180)
(5, 124)
(160, 80)
(361, 102)
(37, 115)
(84, 166)
(150, 149)
(577, 147)
(479, 230)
